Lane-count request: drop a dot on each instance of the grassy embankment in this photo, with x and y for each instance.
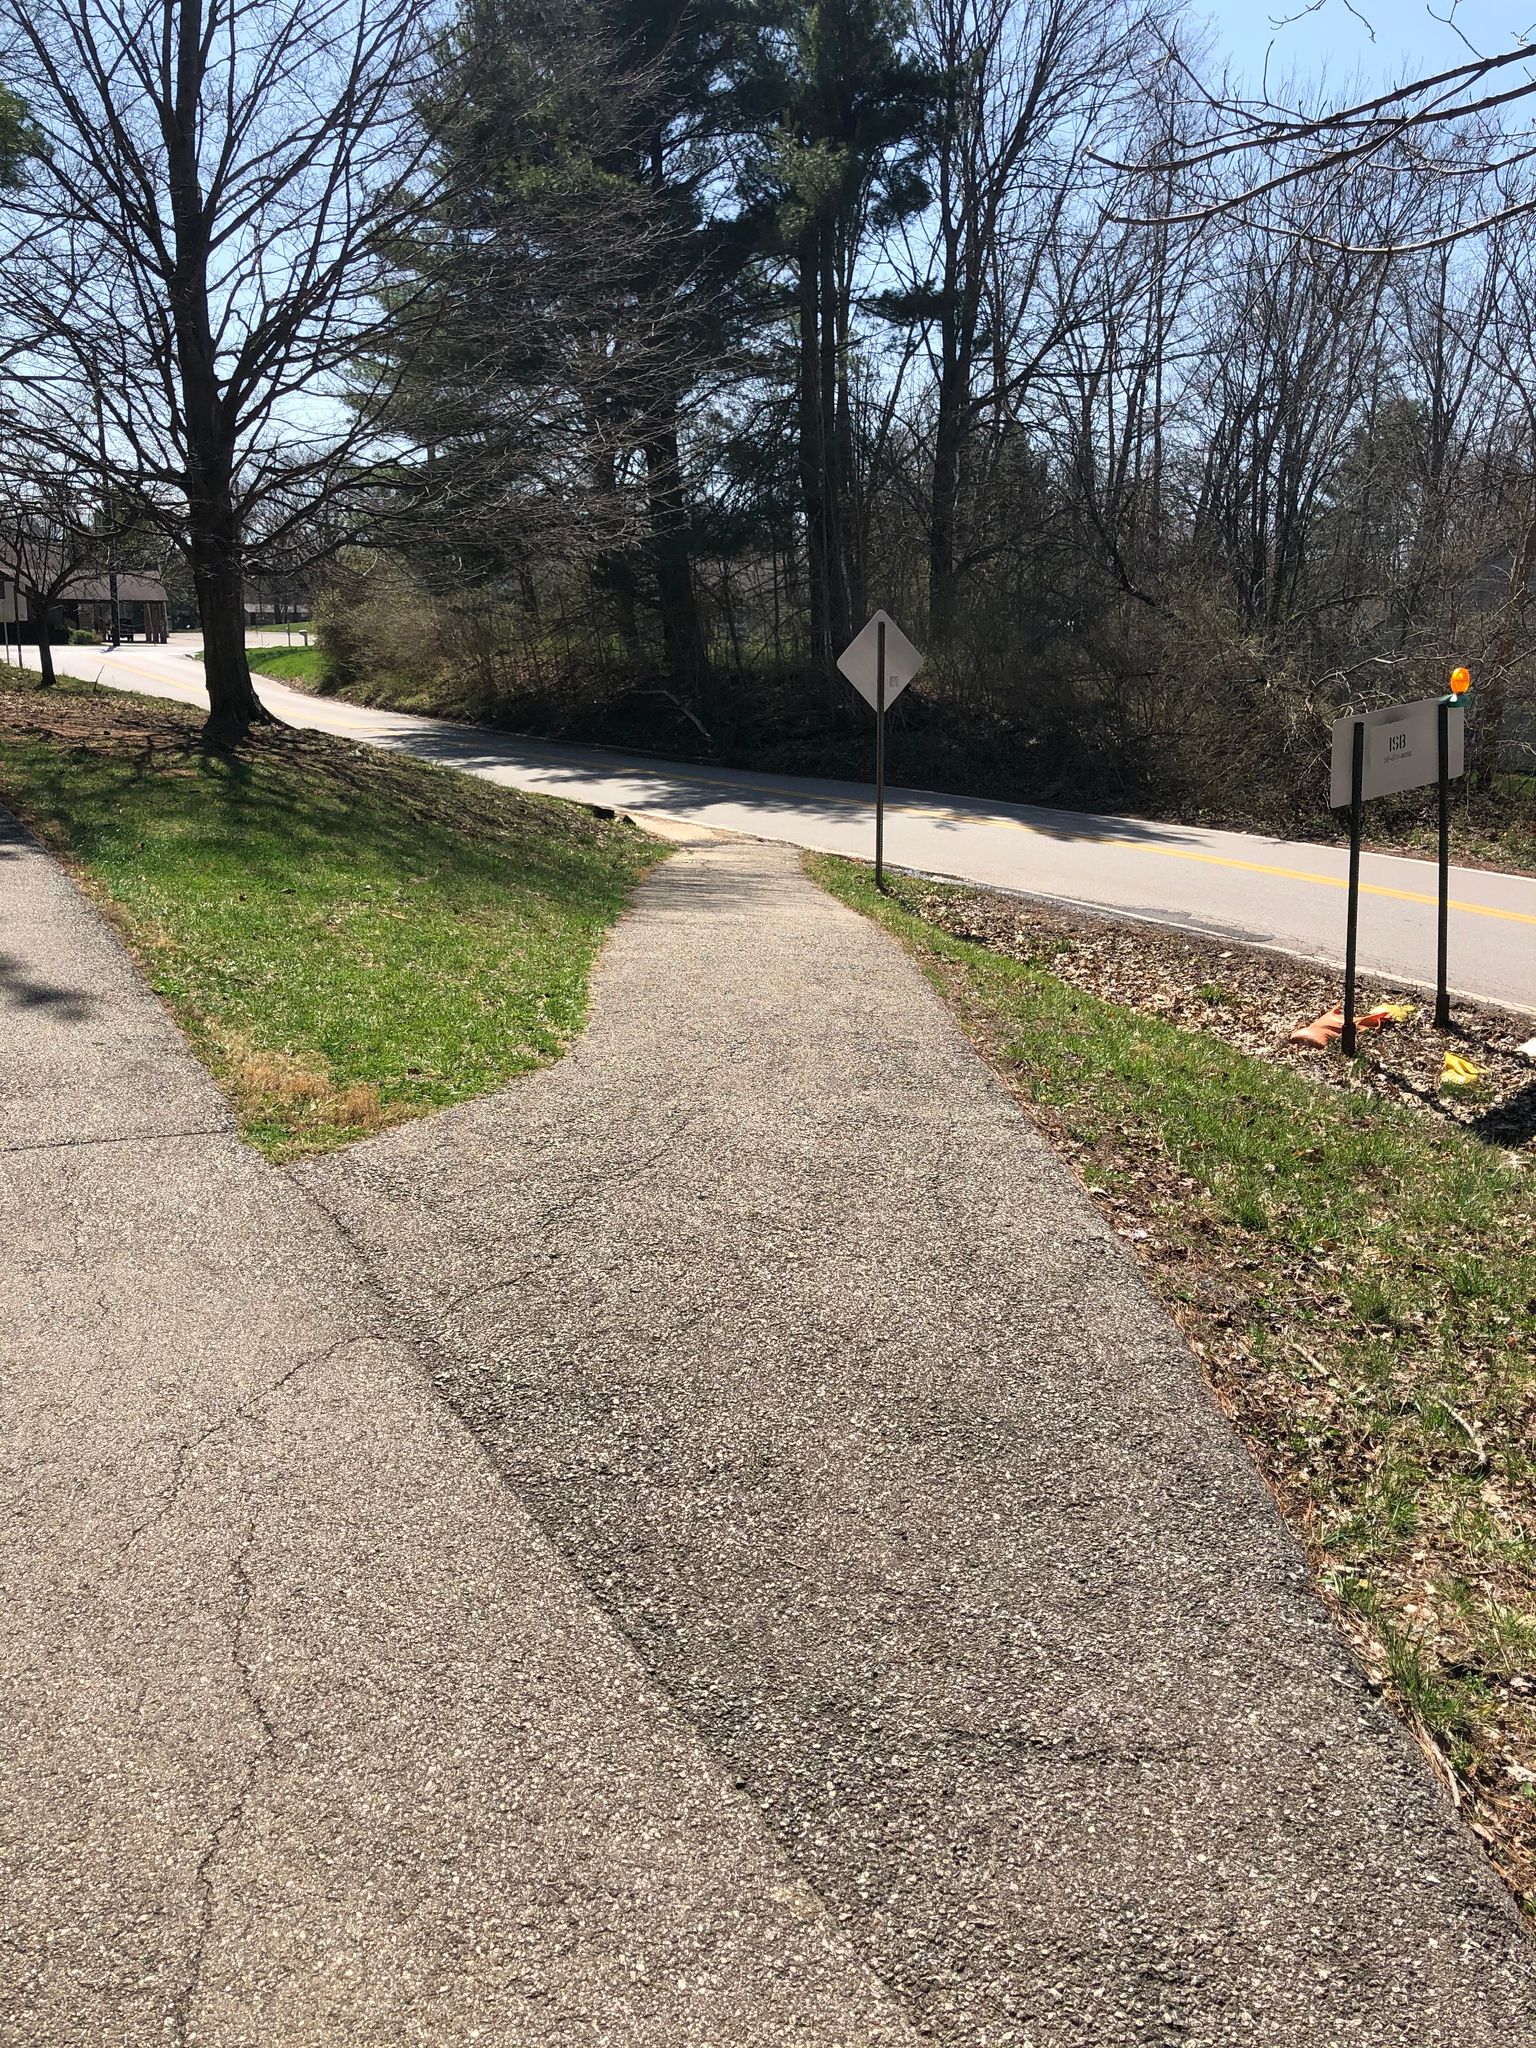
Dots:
(1359, 1278)
(302, 665)
(349, 938)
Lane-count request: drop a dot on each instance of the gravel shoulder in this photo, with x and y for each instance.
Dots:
(830, 1385)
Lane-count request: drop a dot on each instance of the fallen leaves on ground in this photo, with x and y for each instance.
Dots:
(1254, 1000)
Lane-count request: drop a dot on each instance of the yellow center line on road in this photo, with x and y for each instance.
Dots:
(952, 817)
(1254, 867)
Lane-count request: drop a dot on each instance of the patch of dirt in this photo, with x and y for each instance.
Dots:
(1254, 1000)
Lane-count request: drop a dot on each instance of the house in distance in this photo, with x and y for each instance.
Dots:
(84, 602)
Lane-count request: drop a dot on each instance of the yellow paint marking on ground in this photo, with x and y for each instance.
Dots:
(951, 817)
(1254, 867)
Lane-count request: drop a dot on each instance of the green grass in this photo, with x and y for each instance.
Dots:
(348, 937)
(1360, 1280)
(302, 665)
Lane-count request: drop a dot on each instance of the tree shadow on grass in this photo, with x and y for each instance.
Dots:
(283, 798)
(328, 794)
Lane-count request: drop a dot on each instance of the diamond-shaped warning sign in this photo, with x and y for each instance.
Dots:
(859, 661)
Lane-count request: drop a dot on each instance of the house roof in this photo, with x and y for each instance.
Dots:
(133, 587)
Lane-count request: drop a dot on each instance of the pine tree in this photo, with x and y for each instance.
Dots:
(841, 161)
(582, 278)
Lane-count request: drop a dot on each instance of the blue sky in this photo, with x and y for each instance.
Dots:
(1407, 34)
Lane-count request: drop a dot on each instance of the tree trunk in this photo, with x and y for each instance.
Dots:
(948, 428)
(213, 526)
(682, 633)
(613, 573)
(233, 706)
(1507, 650)
(44, 648)
(958, 323)
(852, 512)
(835, 485)
(813, 466)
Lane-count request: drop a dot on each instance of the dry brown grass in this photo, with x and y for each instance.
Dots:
(268, 1086)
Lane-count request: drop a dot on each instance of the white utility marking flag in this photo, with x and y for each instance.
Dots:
(1402, 749)
(859, 658)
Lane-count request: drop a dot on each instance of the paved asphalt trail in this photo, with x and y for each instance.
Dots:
(1243, 886)
(308, 1736)
(835, 1391)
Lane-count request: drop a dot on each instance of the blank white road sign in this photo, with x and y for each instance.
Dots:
(1402, 749)
(859, 658)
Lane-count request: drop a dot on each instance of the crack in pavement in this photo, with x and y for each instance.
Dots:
(115, 1138)
(234, 1818)
(577, 1201)
(245, 1410)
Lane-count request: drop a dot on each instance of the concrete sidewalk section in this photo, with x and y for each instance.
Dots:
(831, 1385)
(309, 1737)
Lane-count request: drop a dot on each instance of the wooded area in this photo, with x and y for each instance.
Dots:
(748, 321)
(618, 356)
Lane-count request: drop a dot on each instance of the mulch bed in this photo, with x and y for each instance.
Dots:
(1254, 1000)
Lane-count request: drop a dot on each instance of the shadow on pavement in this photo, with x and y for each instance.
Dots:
(18, 991)
(665, 784)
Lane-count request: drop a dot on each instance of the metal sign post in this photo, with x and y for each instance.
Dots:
(1352, 923)
(880, 661)
(1452, 757)
(1382, 753)
(1442, 936)
(880, 756)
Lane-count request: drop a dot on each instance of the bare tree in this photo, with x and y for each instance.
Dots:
(1504, 338)
(52, 536)
(198, 249)
(1278, 140)
(1025, 84)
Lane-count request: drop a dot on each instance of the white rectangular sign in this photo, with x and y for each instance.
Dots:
(1402, 749)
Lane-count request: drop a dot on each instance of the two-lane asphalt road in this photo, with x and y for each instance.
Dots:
(1242, 886)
